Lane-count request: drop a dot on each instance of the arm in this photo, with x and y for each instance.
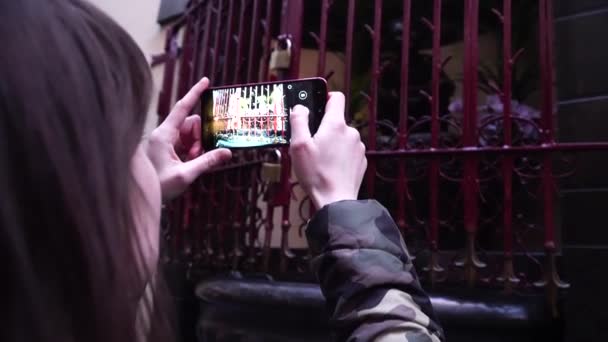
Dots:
(367, 277)
(359, 256)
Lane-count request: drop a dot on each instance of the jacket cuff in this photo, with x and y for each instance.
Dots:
(350, 225)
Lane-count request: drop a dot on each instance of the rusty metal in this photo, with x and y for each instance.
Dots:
(228, 40)
(322, 38)
(196, 75)
(376, 35)
(508, 274)
(442, 187)
(403, 116)
(253, 223)
(433, 267)
(470, 182)
(292, 27)
(551, 279)
(348, 59)
(239, 41)
(267, 26)
(204, 51)
(500, 150)
(254, 44)
(186, 67)
(239, 222)
(215, 53)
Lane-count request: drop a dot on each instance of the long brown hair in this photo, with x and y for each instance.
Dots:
(74, 92)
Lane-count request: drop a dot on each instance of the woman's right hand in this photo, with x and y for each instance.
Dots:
(329, 166)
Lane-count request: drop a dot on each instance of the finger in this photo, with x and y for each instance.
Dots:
(190, 136)
(195, 150)
(334, 110)
(208, 161)
(299, 124)
(184, 106)
(189, 126)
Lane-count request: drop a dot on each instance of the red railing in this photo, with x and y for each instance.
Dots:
(216, 224)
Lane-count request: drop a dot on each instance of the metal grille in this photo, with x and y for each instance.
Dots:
(446, 179)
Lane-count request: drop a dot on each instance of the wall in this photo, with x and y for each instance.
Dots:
(582, 84)
(138, 17)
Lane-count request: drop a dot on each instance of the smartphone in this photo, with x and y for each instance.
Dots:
(257, 115)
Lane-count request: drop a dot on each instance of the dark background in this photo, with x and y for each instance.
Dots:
(582, 86)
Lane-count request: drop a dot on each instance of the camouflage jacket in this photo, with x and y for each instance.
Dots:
(366, 275)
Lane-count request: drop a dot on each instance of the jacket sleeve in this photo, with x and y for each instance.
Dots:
(367, 277)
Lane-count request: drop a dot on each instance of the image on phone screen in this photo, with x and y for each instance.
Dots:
(257, 115)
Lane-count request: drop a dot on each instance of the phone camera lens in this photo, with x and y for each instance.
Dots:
(303, 95)
(289, 87)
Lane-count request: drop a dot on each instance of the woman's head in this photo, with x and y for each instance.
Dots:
(74, 93)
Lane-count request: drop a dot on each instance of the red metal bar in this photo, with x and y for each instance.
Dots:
(253, 232)
(284, 201)
(237, 223)
(529, 149)
(267, 38)
(186, 216)
(197, 221)
(470, 186)
(292, 25)
(508, 160)
(348, 61)
(176, 209)
(240, 43)
(268, 227)
(187, 206)
(222, 221)
(201, 224)
(403, 111)
(508, 274)
(405, 64)
(228, 42)
(373, 103)
(322, 40)
(254, 44)
(165, 99)
(185, 70)
(216, 45)
(434, 168)
(206, 33)
(551, 280)
(546, 63)
(198, 29)
(210, 203)
(286, 253)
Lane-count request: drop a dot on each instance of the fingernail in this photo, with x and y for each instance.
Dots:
(301, 107)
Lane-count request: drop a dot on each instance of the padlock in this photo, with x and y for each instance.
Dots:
(271, 171)
(280, 59)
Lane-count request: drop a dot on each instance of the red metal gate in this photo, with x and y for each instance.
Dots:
(440, 183)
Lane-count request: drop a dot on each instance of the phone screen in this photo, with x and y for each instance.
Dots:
(257, 115)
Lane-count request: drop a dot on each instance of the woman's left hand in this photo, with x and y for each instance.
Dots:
(182, 133)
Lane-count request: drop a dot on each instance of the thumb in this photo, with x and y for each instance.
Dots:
(204, 163)
(299, 124)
